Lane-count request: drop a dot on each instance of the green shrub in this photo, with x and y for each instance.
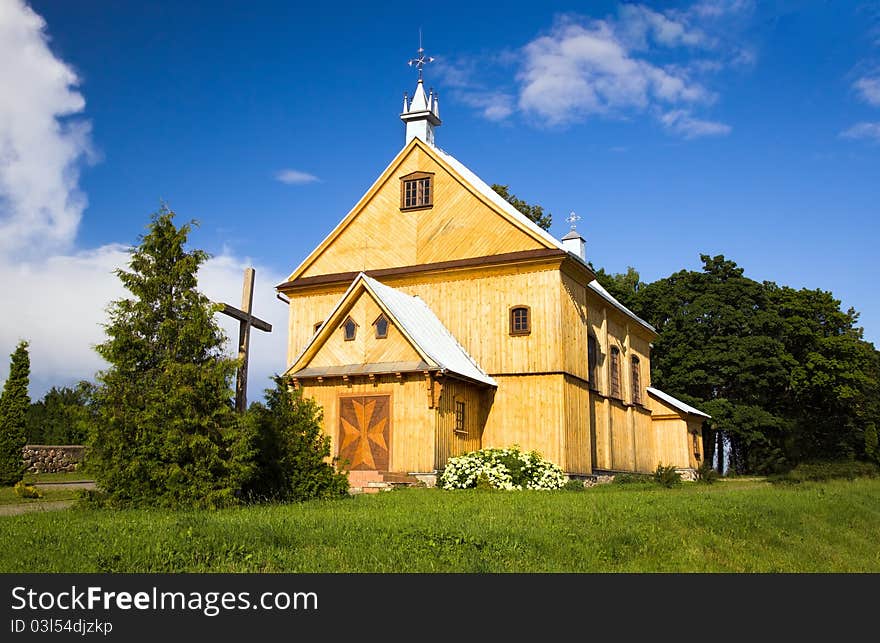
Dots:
(820, 471)
(289, 451)
(501, 469)
(23, 490)
(707, 474)
(667, 476)
(573, 485)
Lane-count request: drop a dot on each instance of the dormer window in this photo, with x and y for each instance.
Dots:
(316, 326)
(381, 326)
(349, 327)
(416, 191)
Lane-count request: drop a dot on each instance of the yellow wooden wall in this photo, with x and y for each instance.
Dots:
(528, 410)
(459, 225)
(412, 422)
(576, 424)
(365, 348)
(449, 443)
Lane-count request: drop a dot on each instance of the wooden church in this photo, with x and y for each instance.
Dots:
(436, 319)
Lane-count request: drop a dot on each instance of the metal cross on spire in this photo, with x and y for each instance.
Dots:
(420, 60)
(572, 219)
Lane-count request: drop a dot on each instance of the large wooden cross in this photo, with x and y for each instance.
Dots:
(246, 321)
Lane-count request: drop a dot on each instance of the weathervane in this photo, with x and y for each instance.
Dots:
(572, 219)
(420, 60)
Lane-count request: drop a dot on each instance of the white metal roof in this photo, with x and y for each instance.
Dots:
(681, 406)
(416, 321)
(422, 326)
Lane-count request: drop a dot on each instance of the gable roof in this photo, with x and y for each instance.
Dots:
(418, 323)
(681, 406)
(481, 188)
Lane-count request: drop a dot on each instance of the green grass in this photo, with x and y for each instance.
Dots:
(66, 476)
(742, 526)
(8, 497)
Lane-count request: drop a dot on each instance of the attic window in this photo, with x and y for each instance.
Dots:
(416, 191)
(350, 328)
(520, 320)
(381, 325)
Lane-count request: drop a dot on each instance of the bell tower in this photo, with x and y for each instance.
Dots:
(421, 114)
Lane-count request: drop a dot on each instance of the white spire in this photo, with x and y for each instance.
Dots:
(421, 114)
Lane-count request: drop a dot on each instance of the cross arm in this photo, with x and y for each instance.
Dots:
(255, 322)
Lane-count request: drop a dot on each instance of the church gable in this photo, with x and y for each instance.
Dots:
(396, 225)
(376, 338)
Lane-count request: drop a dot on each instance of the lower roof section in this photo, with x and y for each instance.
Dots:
(378, 368)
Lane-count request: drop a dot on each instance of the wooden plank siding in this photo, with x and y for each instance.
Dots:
(412, 422)
(459, 225)
(365, 348)
(576, 423)
(528, 410)
(449, 442)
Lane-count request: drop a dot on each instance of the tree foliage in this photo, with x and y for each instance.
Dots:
(291, 452)
(14, 404)
(534, 212)
(63, 416)
(785, 374)
(166, 432)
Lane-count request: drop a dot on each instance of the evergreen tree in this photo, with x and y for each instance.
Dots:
(14, 404)
(63, 416)
(166, 432)
(292, 452)
(533, 212)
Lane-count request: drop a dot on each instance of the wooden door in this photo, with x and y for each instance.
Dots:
(365, 431)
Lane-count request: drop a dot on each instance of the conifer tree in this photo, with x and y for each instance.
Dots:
(166, 430)
(14, 405)
(290, 450)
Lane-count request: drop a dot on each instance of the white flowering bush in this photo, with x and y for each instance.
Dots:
(501, 469)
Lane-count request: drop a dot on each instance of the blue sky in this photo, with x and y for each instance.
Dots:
(673, 129)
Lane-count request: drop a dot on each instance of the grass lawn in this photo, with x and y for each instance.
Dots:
(66, 476)
(741, 526)
(8, 497)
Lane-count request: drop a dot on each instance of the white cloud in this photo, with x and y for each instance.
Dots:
(493, 106)
(868, 88)
(864, 130)
(638, 24)
(59, 305)
(295, 177)
(577, 71)
(721, 8)
(41, 148)
(682, 122)
(54, 296)
(462, 77)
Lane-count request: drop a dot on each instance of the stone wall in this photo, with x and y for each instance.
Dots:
(47, 458)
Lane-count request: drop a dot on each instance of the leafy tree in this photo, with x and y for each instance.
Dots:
(14, 403)
(533, 212)
(785, 374)
(166, 432)
(63, 416)
(291, 451)
(624, 287)
(719, 344)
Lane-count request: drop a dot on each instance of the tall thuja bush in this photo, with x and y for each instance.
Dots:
(291, 452)
(166, 432)
(14, 405)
